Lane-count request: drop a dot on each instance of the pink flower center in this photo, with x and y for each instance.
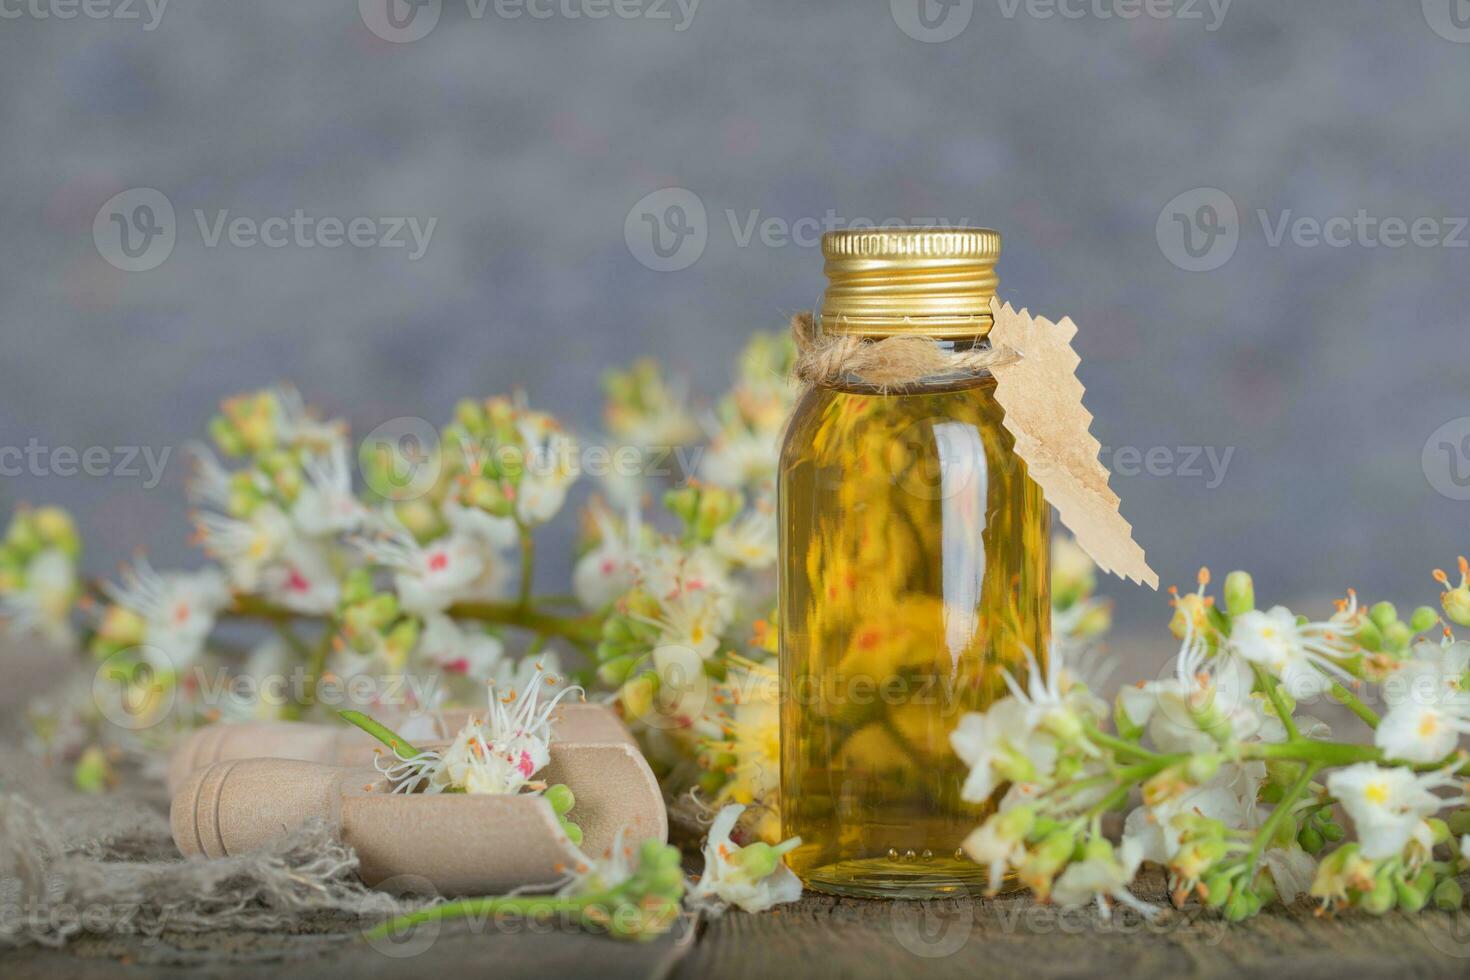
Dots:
(438, 561)
(526, 766)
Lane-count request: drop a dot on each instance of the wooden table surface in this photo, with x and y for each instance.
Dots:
(1007, 936)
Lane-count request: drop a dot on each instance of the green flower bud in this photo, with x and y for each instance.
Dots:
(1217, 889)
(1311, 840)
(382, 609)
(1127, 728)
(1369, 637)
(23, 536)
(1456, 601)
(56, 528)
(1241, 905)
(1440, 829)
(1424, 618)
(756, 860)
(614, 671)
(401, 640)
(357, 586)
(561, 799)
(1332, 831)
(1240, 593)
(573, 832)
(1396, 636)
(1409, 897)
(1202, 768)
(225, 436)
(1459, 822)
(1380, 898)
(1383, 614)
(1448, 895)
(638, 694)
(91, 772)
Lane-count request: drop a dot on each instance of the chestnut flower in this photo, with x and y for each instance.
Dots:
(752, 878)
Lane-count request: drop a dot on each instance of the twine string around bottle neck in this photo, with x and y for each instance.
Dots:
(886, 364)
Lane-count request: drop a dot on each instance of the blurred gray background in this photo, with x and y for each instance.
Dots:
(1107, 142)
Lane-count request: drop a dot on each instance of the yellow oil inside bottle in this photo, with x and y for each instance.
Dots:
(914, 574)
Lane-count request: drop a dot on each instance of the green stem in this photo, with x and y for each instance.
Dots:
(577, 629)
(583, 629)
(1282, 811)
(400, 745)
(1268, 684)
(1311, 751)
(1104, 740)
(1351, 702)
(316, 664)
(527, 905)
(528, 560)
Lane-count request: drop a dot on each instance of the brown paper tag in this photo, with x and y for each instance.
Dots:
(1042, 398)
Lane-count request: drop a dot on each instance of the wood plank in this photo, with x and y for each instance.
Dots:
(1011, 936)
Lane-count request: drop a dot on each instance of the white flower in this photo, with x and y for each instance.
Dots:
(326, 505)
(178, 610)
(1001, 744)
(302, 579)
(1017, 738)
(602, 874)
(455, 650)
(741, 457)
(1296, 653)
(43, 606)
(551, 468)
(1389, 805)
(494, 532)
(670, 572)
(1292, 869)
(245, 547)
(999, 843)
(1102, 875)
(1218, 692)
(1229, 797)
(750, 540)
(297, 426)
(609, 570)
(428, 578)
(752, 878)
(1429, 710)
(500, 754)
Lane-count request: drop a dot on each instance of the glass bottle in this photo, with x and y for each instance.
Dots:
(913, 575)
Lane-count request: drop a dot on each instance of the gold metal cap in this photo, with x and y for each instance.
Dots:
(935, 282)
